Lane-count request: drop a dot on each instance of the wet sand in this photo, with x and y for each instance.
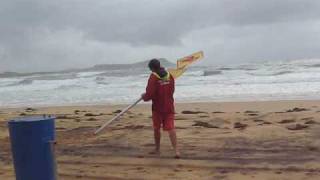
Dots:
(244, 140)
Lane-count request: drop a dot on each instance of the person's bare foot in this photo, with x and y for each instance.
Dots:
(155, 152)
(177, 156)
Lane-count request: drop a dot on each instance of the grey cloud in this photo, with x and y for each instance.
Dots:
(152, 22)
(82, 32)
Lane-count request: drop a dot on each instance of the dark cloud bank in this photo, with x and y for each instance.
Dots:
(38, 35)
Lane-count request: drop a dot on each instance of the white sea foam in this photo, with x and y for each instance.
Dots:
(250, 82)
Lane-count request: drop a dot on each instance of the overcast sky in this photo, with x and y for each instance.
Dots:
(38, 35)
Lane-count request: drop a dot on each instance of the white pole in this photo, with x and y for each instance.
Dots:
(117, 116)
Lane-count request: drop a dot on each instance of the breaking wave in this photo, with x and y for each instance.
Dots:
(264, 81)
(272, 73)
(211, 73)
(22, 82)
(55, 77)
(70, 87)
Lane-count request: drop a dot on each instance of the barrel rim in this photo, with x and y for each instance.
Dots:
(33, 118)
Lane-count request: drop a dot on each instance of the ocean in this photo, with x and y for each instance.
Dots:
(287, 80)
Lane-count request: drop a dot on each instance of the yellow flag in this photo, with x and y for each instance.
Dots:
(177, 72)
(186, 61)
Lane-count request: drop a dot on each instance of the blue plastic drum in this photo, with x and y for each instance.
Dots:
(32, 143)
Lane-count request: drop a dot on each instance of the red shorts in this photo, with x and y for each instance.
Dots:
(166, 120)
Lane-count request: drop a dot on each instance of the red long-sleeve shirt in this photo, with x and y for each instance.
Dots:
(161, 93)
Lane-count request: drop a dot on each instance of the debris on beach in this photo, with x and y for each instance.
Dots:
(204, 124)
(117, 111)
(91, 114)
(29, 109)
(180, 118)
(192, 112)
(248, 112)
(285, 121)
(278, 112)
(253, 114)
(239, 125)
(296, 109)
(77, 111)
(297, 127)
(258, 120)
(92, 119)
(307, 118)
(267, 122)
(264, 123)
(63, 116)
(218, 112)
(134, 127)
(204, 116)
(77, 120)
(310, 122)
(312, 148)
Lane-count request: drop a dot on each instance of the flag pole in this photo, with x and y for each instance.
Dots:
(117, 116)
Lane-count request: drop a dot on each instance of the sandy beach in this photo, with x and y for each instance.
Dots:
(231, 140)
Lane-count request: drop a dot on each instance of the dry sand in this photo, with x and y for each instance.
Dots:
(247, 140)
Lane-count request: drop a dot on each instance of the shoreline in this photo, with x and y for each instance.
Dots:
(149, 103)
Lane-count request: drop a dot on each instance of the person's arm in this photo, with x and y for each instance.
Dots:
(150, 89)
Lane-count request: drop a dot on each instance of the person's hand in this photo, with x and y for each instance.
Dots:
(142, 95)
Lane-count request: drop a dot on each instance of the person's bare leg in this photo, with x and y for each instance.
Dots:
(157, 137)
(173, 139)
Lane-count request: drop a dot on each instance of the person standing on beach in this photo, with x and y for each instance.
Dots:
(160, 89)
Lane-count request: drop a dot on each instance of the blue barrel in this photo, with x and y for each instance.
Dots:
(32, 143)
